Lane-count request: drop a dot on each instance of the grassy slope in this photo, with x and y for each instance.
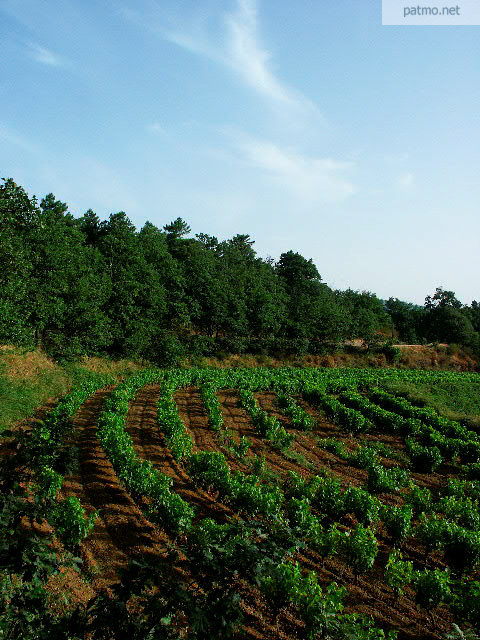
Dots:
(459, 400)
(29, 380)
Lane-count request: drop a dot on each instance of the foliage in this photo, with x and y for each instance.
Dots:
(359, 549)
(383, 480)
(299, 417)
(424, 459)
(432, 587)
(70, 522)
(267, 425)
(465, 602)
(302, 513)
(139, 476)
(397, 521)
(462, 549)
(169, 421)
(364, 506)
(398, 573)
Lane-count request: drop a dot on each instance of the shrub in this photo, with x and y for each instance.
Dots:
(397, 521)
(432, 588)
(398, 573)
(359, 548)
(70, 522)
(424, 459)
(383, 480)
(364, 506)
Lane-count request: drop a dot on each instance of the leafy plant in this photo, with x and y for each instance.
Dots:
(465, 602)
(359, 548)
(383, 480)
(70, 521)
(432, 587)
(319, 608)
(424, 459)
(282, 585)
(420, 498)
(363, 457)
(398, 573)
(241, 449)
(328, 497)
(334, 446)
(364, 506)
(432, 531)
(462, 549)
(397, 521)
(325, 541)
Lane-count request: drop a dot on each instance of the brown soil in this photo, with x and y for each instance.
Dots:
(123, 532)
(369, 595)
(150, 444)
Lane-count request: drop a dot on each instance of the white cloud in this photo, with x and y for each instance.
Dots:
(14, 138)
(237, 47)
(156, 127)
(405, 180)
(308, 178)
(249, 58)
(45, 56)
(396, 158)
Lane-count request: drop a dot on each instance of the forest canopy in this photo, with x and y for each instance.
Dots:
(81, 286)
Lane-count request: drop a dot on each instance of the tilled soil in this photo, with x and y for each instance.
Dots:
(369, 593)
(150, 444)
(122, 531)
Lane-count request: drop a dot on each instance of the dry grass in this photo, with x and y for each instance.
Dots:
(117, 368)
(30, 379)
(25, 366)
(412, 357)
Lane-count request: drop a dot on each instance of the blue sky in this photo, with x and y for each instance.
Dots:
(306, 124)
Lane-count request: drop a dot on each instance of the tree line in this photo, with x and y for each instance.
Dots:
(82, 286)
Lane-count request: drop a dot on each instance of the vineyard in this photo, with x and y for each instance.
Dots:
(251, 504)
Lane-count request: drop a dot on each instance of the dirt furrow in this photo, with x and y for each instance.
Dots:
(121, 531)
(238, 422)
(195, 418)
(150, 444)
(370, 595)
(318, 460)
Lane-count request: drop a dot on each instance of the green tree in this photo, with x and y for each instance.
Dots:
(406, 319)
(445, 319)
(67, 287)
(137, 302)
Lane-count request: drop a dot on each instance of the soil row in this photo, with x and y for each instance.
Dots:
(122, 531)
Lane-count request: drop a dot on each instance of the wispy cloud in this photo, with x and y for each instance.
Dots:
(246, 54)
(310, 179)
(156, 127)
(45, 56)
(236, 44)
(12, 137)
(396, 158)
(405, 180)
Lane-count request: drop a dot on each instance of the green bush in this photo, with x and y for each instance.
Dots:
(70, 522)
